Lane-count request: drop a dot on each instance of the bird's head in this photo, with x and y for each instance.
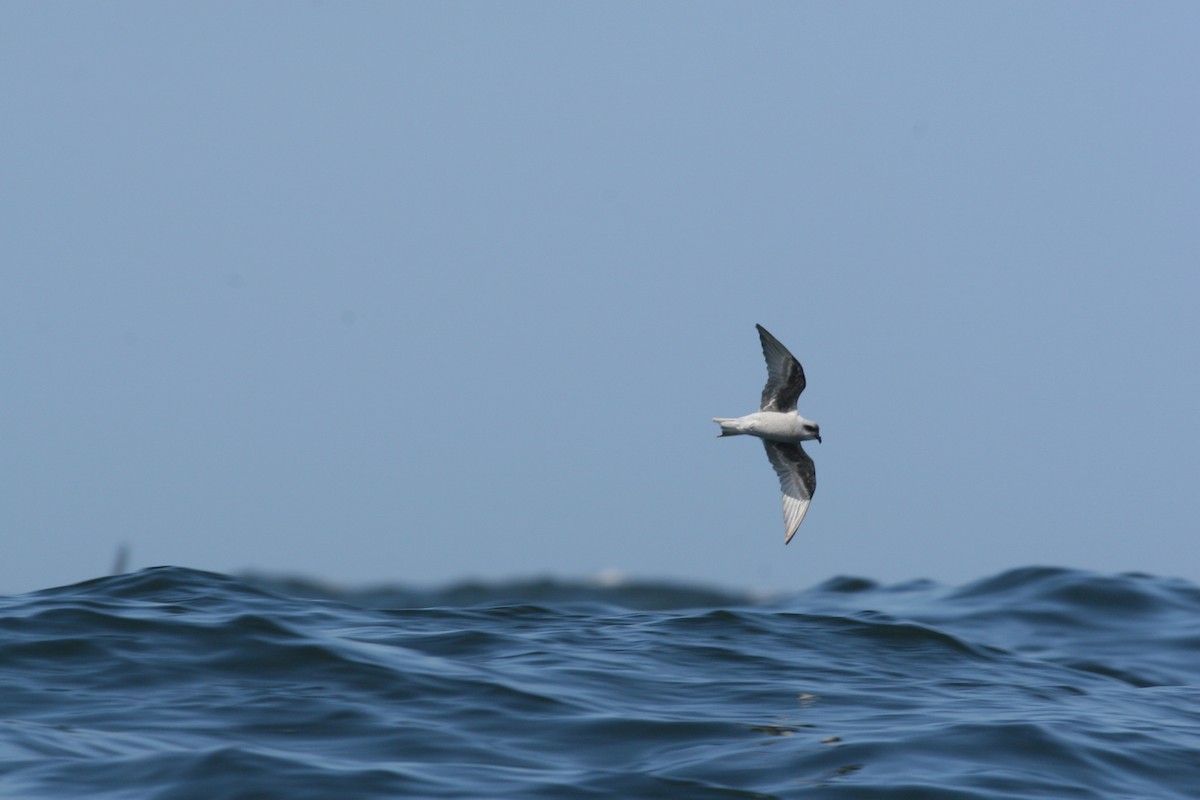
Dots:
(812, 431)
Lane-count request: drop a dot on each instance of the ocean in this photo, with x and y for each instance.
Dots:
(175, 684)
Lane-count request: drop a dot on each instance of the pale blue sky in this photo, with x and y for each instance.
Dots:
(415, 292)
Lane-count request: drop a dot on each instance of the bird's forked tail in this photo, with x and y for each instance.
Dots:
(728, 426)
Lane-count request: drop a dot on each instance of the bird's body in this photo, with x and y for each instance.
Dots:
(782, 429)
(778, 426)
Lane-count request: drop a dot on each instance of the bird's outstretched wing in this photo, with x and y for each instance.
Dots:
(797, 479)
(785, 376)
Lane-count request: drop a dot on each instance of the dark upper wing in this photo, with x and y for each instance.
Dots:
(785, 376)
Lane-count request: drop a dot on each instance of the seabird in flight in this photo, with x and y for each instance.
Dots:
(782, 429)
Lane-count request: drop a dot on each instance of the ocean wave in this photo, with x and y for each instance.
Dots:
(176, 683)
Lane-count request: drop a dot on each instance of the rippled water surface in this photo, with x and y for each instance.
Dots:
(173, 683)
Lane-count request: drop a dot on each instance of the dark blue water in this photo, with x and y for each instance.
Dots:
(171, 683)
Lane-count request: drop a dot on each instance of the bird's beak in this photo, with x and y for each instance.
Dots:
(818, 440)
